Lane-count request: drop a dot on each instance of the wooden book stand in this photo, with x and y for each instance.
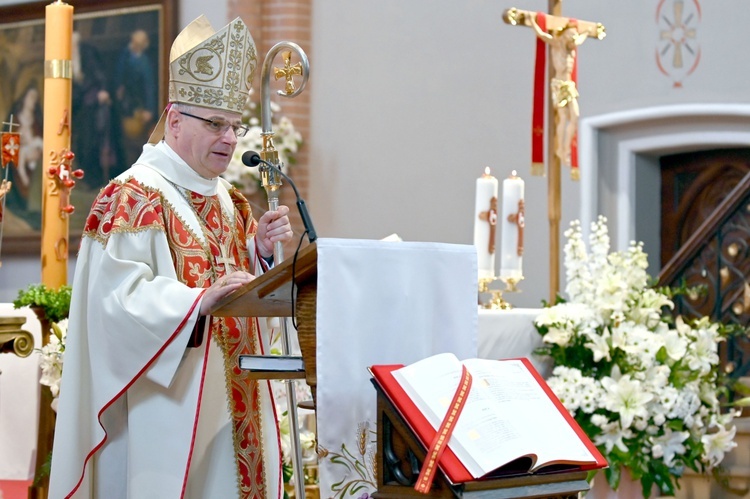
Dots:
(400, 456)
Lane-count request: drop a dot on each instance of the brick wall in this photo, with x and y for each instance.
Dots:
(272, 21)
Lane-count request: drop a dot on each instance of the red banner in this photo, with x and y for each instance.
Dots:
(574, 172)
(11, 144)
(537, 116)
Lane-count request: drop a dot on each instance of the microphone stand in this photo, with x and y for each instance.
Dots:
(272, 183)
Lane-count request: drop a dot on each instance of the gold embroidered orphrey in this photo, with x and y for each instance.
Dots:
(210, 69)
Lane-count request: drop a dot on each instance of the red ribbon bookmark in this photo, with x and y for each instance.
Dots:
(439, 443)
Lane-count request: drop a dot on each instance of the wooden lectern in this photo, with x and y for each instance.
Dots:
(400, 455)
(271, 295)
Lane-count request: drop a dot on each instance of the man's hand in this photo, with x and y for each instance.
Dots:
(222, 288)
(273, 226)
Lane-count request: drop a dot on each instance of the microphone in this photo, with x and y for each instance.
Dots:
(252, 158)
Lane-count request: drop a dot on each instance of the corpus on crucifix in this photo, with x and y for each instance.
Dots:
(563, 43)
(562, 36)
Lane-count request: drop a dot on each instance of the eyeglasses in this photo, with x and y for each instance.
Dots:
(220, 126)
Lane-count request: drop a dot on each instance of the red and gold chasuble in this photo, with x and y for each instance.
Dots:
(198, 263)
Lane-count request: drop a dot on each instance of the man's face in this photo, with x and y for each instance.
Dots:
(206, 147)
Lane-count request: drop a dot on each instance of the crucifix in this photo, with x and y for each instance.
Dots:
(561, 35)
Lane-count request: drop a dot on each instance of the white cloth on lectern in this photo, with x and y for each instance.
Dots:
(381, 302)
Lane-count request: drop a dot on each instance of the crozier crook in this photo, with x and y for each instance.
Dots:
(272, 182)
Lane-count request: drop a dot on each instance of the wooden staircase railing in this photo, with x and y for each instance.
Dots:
(717, 257)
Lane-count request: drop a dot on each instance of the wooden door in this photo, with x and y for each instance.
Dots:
(692, 185)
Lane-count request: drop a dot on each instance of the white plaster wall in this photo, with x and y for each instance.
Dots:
(215, 11)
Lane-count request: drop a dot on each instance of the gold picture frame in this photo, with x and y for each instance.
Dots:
(120, 66)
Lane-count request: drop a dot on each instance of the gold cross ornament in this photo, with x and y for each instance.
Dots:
(288, 72)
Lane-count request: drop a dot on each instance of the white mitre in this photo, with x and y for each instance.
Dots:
(210, 69)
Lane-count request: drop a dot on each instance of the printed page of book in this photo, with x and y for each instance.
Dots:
(507, 414)
(531, 421)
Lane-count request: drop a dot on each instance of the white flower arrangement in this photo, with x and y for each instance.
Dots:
(51, 360)
(645, 387)
(286, 140)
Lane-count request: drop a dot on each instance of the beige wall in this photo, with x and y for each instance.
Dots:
(408, 101)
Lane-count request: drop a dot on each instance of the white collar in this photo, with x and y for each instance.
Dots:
(170, 165)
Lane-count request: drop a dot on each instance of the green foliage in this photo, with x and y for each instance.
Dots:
(43, 470)
(55, 303)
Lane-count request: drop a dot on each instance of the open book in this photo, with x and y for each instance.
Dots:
(512, 423)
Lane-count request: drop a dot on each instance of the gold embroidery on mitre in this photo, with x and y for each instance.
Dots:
(217, 72)
(210, 69)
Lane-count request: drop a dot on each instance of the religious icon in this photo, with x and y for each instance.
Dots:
(118, 61)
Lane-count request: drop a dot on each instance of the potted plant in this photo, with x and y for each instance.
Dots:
(51, 307)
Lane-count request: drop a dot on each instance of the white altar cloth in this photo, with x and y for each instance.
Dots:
(19, 403)
(507, 334)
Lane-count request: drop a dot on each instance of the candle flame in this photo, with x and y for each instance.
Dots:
(486, 170)
(513, 174)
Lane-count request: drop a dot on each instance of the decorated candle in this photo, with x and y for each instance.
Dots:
(485, 222)
(512, 223)
(58, 36)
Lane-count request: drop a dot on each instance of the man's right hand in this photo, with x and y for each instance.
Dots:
(222, 288)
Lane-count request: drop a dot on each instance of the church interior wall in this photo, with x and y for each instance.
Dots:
(410, 102)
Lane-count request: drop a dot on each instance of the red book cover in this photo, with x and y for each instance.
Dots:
(449, 463)
(454, 470)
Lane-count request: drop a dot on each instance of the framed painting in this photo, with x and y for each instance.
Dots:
(120, 67)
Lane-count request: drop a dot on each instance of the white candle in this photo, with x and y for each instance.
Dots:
(485, 220)
(512, 225)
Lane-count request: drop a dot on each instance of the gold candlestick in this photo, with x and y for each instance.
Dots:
(495, 300)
